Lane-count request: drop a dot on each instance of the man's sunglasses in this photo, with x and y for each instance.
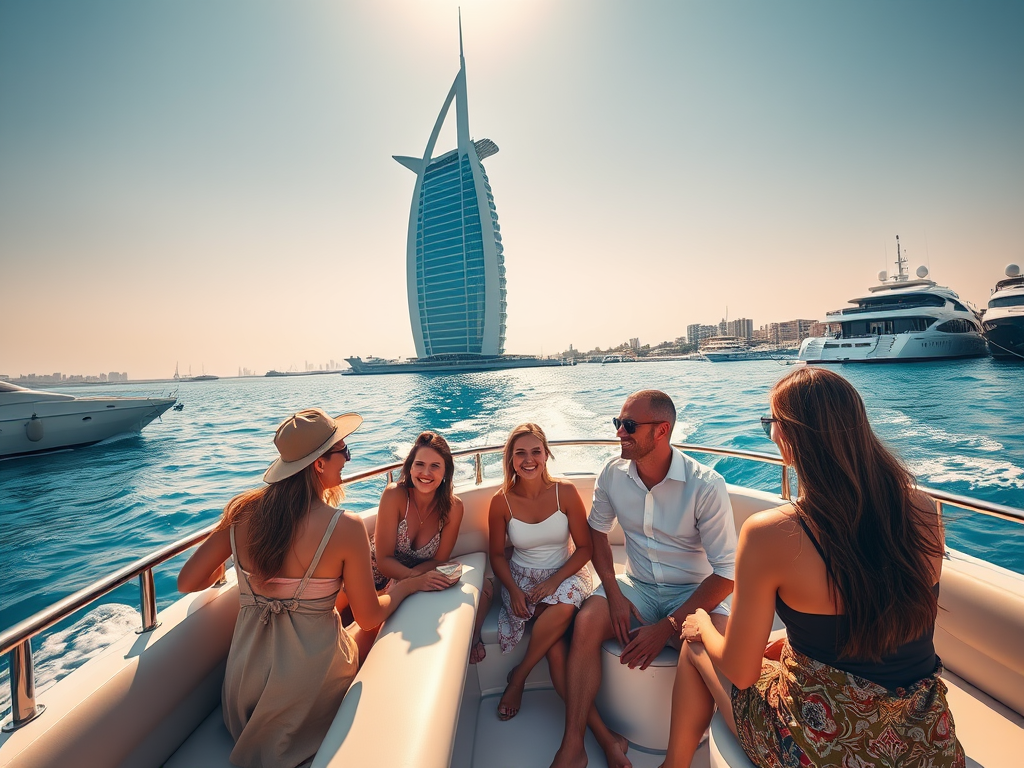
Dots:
(629, 425)
(344, 451)
(766, 425)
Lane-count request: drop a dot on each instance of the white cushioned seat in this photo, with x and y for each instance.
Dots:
(414, 675)
(489, 630)
(633, 701)
(209, 746)
(724, 747)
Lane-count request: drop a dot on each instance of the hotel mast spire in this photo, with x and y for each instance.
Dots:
(462, 57)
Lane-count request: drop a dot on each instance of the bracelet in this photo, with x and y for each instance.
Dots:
(673, 622)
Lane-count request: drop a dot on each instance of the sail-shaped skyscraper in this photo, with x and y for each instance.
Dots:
(455, 267)
(455, 263)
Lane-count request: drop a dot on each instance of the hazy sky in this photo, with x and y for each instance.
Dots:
(211, 182)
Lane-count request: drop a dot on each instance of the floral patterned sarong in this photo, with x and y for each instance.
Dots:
(802, 713)
(573, 591)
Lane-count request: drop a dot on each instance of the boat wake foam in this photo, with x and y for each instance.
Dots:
(973, 471)
(915, 429)
(64, 651)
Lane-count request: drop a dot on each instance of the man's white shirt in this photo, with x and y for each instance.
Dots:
(678, 532)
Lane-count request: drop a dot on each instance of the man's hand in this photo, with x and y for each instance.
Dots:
(622, 610)
(646, 644)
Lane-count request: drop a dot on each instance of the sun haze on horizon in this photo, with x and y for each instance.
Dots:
(212, 185)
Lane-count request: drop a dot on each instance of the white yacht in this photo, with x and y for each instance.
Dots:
(152, 699)
(722, 349)
(900, 320)
(33, 421)
(1003, 321)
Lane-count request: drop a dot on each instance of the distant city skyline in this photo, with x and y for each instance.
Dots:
(216, 184)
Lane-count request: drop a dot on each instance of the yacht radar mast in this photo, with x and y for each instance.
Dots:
(901, 275)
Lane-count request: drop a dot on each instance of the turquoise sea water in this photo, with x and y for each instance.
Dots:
(71, 517)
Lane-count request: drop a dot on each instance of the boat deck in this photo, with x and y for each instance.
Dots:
(531, 738)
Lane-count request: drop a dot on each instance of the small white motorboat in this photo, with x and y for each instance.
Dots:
(33, 422)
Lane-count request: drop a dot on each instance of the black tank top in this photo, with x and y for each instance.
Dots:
(819, 636)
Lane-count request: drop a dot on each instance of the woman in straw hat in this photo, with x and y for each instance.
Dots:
(291, 661)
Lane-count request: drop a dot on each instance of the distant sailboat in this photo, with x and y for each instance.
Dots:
(205, 376)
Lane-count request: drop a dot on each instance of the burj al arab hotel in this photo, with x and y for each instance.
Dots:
(455, 264)
(455, 268)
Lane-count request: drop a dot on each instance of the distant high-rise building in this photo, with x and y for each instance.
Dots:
(790, 331)
(742, 328)
(696, 333)
(455, 262)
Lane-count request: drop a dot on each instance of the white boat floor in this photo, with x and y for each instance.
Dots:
(531, 738)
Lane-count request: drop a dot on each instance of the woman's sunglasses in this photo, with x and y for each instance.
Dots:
(766, 425)
(629, 425)
(344, 451)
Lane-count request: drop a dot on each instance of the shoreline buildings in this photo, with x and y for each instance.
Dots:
(455, 268)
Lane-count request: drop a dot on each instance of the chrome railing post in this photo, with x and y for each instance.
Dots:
(478, 463)
(391, 476)
(147, 588)
(940, 508)
(23, 687)
(785, 482)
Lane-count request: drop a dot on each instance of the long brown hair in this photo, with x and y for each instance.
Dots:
(523, 429)
(273, 513)
(444, 497)
(860, 500)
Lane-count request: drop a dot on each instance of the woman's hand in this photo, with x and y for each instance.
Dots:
(695, 625)
(517, 599)
(431, 581)
(546, 588)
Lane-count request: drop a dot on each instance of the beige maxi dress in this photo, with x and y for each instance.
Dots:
(290, 664)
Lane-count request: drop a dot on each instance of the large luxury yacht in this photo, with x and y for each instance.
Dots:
(1003, 321)
(900, 320)
(153, 699)
(33, 421)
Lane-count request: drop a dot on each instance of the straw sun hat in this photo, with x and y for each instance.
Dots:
(306, 436)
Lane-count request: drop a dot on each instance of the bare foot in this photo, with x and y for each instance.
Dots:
(477, 653)
(615, 752)
(512, 698)
(570, 759)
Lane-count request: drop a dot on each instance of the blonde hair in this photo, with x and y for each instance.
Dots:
(529, 428)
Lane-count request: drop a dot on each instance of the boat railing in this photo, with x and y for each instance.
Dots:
(16, 642)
